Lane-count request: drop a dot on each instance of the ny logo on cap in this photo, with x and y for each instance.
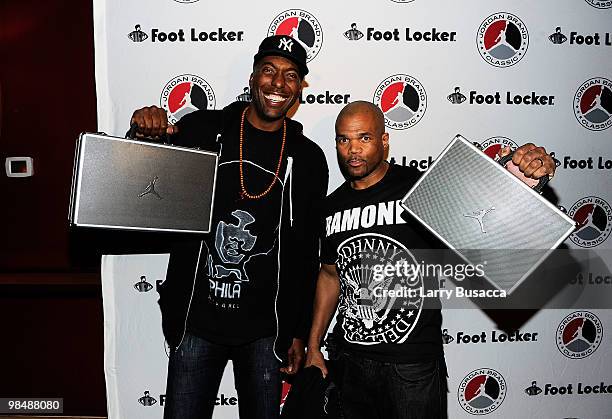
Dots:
(285, 44)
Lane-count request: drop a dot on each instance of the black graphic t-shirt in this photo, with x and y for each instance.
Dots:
(381, 313)
(234, 294)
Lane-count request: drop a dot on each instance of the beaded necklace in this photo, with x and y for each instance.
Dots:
(243, 192)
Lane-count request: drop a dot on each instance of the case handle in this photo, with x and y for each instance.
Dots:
(542, 182)
(131, 135)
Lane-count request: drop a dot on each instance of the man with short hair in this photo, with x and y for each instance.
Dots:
(244, 292)
(391, 349)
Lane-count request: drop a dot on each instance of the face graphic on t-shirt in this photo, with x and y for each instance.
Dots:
(234, 241)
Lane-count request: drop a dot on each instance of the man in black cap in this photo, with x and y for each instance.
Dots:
(244, 292)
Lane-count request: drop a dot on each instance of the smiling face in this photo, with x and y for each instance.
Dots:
(275, 86)
(361, 143)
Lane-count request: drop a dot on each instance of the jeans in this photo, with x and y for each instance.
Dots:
(195, 371)
(382, 390)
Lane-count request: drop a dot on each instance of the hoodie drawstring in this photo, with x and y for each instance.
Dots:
(288, 174)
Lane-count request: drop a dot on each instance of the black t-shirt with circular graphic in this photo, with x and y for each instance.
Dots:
(365, 231)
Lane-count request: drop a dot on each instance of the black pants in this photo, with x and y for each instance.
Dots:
(381, 390)
(195, 371)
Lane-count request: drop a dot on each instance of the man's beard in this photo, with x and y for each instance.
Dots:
(345, 169)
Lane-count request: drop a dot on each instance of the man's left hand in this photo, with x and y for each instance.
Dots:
(530, 163)
(295, 357)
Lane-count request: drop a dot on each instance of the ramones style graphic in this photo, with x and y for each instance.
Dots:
(579, 334)
(301, 26)
(593, 104)
(185, 94)
(369, 314)
(403, 100)
(502, 39)
(482, 391)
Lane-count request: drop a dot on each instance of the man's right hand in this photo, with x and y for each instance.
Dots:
(152, 122)
(315, 358)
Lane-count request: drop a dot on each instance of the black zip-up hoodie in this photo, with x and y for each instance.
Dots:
(299, 233)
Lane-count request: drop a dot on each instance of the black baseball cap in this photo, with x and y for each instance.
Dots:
(284, 46)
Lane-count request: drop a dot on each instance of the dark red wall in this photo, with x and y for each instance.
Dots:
(50, 303)
(48, 97)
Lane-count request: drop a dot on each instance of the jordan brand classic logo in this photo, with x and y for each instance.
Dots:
(479, 215)
(593, 216)
(302, 26)
(579, 334)
(402, 99)
(593, 104)
(502, 39)
(185, 94)
(492, 145)
(150, 189)
(600, 4)
(482, 391)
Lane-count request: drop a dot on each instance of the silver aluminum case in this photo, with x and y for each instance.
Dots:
(123, 164)
(463, 180)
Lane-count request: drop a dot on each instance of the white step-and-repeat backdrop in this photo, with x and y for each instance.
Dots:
(498, 72)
